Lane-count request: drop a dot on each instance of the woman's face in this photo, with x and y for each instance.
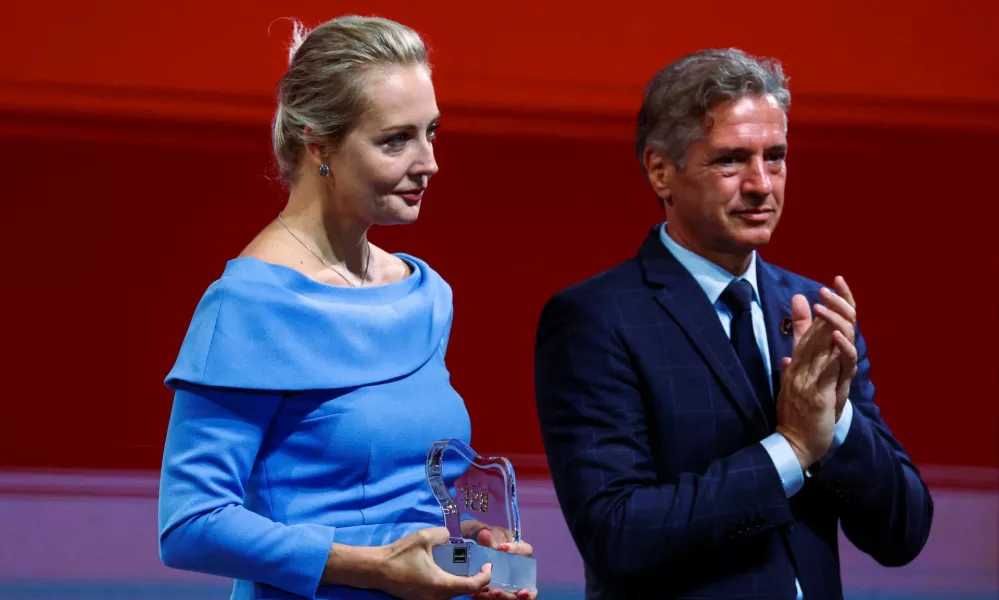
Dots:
(383, 165)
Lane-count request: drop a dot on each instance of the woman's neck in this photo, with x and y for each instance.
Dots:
(316, 219)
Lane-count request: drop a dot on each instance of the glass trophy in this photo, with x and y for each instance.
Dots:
(475, 493)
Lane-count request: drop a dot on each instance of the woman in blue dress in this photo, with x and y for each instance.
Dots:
(311, 382)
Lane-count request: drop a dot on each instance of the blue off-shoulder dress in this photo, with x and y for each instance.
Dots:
(302, 416)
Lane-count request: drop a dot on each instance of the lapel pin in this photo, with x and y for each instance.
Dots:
(785, 326)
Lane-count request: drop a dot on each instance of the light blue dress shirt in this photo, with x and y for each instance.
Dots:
(713, 280)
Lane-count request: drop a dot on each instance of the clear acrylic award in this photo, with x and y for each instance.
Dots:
(474, 493)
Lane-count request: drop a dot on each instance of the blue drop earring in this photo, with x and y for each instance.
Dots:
(324, 170)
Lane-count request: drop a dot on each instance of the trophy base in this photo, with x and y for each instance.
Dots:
(511, 572)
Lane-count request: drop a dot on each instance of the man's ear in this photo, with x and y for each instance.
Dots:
(661, 173)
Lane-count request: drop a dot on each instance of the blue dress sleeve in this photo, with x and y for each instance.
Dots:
(212, 442)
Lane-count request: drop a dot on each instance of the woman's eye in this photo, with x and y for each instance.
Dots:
(398, 140)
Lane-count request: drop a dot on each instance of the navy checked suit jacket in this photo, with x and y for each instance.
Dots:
(651, 429)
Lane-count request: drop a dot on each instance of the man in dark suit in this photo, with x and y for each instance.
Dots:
(706, 430)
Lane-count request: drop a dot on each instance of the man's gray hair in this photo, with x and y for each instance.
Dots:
(679, 96)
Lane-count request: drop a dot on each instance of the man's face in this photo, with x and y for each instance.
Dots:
(727, 200)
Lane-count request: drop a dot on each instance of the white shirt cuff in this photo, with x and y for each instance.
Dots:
(786, 462)
(842, 428)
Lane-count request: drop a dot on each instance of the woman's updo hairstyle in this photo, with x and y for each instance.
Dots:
(323, 89)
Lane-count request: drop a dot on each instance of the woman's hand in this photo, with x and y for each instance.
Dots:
(410, 572)
(501, 539)
(405, 569)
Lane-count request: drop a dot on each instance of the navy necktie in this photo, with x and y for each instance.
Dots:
(738, 298)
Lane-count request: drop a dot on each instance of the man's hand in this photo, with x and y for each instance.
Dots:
(816, 379)
(841, 309)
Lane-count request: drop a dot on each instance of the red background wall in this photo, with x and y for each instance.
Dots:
(134, 148)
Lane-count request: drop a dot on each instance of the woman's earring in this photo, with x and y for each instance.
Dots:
(324, 170)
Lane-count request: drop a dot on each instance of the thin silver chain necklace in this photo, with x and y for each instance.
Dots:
(319, 257)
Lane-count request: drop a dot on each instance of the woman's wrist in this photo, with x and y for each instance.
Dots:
(355, 566)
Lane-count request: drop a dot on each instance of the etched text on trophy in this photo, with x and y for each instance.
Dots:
(474, 499)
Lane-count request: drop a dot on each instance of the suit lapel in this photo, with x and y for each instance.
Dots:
(776, 299)
(678, 293)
